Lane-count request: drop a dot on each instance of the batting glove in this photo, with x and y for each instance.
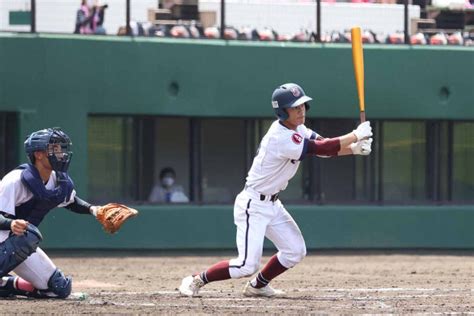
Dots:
(364, 147)
(362, 131)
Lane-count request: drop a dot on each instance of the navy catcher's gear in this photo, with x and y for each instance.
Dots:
(59, 286)
(15, 249)
(287, 96)
(55, 142)
(43, 200)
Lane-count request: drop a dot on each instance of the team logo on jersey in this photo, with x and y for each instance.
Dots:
(296, 92)
(296, 138)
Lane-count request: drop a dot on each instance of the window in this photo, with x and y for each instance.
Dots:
(110, 159)
(337, 175)
(404, 161)
(223, 161)
(463, 153)
(168, 147)
(8, 142)
(127, 155)
(411, 161)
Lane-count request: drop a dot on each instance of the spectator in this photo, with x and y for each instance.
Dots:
(83, 19)
(97, 22)
(166, 191)
(90, 19)
(438, 39)
(418, 39)
(456, 39)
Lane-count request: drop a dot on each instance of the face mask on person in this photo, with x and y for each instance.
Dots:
(167, 181)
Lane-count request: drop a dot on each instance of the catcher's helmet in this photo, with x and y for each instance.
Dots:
(55, 142)
(286, 96)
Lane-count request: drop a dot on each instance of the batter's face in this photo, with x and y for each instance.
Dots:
(296, 116)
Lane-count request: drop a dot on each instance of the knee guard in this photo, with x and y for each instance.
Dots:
(15, 249)
(59, 284)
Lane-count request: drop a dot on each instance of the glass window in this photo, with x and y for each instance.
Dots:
(404, 161)
(463, 153)
(223, 161)
(170, 146)
(336, 175)
(141, 158)
(110, 160)
(8, 142)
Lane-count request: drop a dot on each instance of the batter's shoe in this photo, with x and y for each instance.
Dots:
(266, 291)
(191, 285)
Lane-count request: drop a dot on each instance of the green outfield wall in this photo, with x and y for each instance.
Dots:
(211, 227)
(58, 80)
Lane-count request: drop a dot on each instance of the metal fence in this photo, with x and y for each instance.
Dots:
(384, 21)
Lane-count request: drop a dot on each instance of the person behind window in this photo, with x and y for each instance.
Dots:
(166, 191)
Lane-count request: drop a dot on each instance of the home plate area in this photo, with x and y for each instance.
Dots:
(325, 282)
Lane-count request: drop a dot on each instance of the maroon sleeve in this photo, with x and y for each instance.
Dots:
(324, 147)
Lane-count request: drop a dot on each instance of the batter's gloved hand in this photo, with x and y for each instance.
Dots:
(364, 147)
(362, 131)
(113, 215)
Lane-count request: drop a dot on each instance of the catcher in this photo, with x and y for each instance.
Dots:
(27, 194)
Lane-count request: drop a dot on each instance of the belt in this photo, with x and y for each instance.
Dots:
(263, 197)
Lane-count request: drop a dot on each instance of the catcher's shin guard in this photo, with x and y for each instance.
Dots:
(59, 286)
(15, 249)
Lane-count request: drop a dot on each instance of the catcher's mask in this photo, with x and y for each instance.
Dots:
(286, 96)
(55, 142)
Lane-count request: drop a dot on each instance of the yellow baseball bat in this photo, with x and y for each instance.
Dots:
(358, 61)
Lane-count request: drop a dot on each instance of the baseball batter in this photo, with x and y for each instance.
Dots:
(258, 212)
(27, 194)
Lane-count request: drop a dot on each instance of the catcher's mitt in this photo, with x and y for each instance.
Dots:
(113, 215)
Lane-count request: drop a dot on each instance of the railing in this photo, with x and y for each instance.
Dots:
(314, 17)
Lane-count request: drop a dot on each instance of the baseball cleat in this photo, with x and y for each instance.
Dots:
(266, 291)
(190, 285)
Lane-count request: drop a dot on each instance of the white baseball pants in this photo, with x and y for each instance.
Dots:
(255, 220)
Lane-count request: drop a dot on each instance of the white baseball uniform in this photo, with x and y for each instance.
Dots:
(38, 267)
(258, 213)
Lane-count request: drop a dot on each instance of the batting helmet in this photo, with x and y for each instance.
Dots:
(55, 142)
(286, 96)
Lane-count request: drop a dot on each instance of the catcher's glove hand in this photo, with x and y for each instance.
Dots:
(113, 215)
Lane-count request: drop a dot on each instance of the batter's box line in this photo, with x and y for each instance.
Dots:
(188, 305)
(289, 291)
(389, 289)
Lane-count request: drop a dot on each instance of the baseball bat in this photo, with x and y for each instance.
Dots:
(358, 61)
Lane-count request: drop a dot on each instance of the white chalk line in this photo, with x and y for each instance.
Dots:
(176, 305)
(238, 302)
(388, 289)
(310, 290)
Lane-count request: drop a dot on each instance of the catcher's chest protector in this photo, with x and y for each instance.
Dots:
(43, 199)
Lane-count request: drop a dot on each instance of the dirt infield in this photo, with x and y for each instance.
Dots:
(322, 283)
